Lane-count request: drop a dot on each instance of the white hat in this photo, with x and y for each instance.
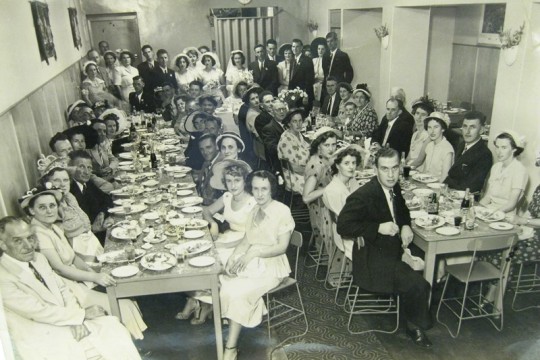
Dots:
(216, 181)
(232, 135)
(324, 130)
(518, 138)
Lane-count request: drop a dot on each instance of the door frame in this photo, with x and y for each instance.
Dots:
(115, 16)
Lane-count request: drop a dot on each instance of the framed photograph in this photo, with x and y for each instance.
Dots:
(77, 41)
(492, 23)
(40, 14)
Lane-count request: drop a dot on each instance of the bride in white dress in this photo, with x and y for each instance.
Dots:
(237, 70)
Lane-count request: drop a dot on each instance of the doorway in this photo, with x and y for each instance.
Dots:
(120, 30)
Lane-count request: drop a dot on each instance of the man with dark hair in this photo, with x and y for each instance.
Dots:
(265, 72)
(60, 145)
(208, 149)
(473, 158)
(271, 51)
(302, 73)
(162, 74)
(265, 116)
(141, 99)
(336, 63)
(394, 130)
(147, 67)
(330, 105)
(271, 133)
(166, 95)
(195, 89)
(376, 213)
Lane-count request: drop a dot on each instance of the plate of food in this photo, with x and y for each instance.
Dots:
(488, 215)
(177, 168)
(192, 209)
(125, 271)
(194, 223)
(365, 174)
(501, 226)
(457, 194)
(413, 203)
(173, 215)
(183, 186)
(118, 256)
(150, 183)
(133, 209)
(202, 261)
(192, 248)
(170, 141)
(447, 230)
(154, 237)
(193, 234)
(126, 232)
(430, 222)
(407, 185)
(188, 201)
(128, 191)
(425, 178)
(185, 192)
(158, 261)
(422, 192)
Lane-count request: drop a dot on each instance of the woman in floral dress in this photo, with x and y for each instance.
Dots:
(365, 121)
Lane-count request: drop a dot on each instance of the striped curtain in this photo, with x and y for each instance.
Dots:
(243, 34)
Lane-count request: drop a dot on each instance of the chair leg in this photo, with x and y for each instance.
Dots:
(328, 273)
(320, 260)
(341, 281)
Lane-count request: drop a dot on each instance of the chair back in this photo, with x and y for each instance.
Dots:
(491, 244)
(286, 174)
(258, 148)
(297, 241)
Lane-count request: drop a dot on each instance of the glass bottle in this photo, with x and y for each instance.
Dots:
(471, 216)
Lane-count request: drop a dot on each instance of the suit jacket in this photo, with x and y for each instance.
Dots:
(303, 77)
(263, 119)
(335, 108)
(341, 67)
(146, 104)
(270, 136)
(364, 211)
(471, 168)
(400, 134)
(146, 73)
(159, 78)
(40, 316)
(277, 59)
(93, 201)
(267, 77)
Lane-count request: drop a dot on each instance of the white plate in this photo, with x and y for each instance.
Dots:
(191, 248)
(126, 191)
(173, 216)
(152, 215)
(418, 213)
(422, 192)
(192, 209)
(407, 185)
(193, 223)
(124, 271)
(152, 201)
(147, 246)
(230, 236)
(485, 214)
(501, 226)
(127, 145)
(413, 203)
(193, 234)
(125, 155)
(135, 208)
(150, 183)
(447, 230)
(185, 192)
(118, 256)
(202, 261)
(188, 201)
(434, 185)
(121, 232)
(430, 221)
(424, 178)
(178, 168)
(182, 186)
(170, 141)
(149, 174)
(457, 194)
(158, 261)
(365, 174)
(154, 239)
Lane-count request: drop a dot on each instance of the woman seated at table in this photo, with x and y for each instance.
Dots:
(508, 177)
(42, 206)
(234, 100)
(294, 149)
(345, 93)
(421, 109)
(211, 77)
(103, 161)
(230, 145)
(439, 152)
(236, 204)
(342, 185)
(194, 126)
(259, 263)
(365, 121)
(94, 89)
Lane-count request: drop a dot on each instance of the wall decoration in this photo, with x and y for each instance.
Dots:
(492, 23)
(77, 41)
(40, 13)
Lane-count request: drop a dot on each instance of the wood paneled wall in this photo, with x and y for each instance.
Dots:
(25, 132)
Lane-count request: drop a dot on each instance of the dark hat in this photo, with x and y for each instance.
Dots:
(315, 44)
(90, 134)
(282, 48)
(254, 89)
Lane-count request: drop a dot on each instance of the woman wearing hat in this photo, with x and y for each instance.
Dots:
(237, 70)
(127, 73)
(230, 145)
(439, 152)
(236, 204)
(421, 109)
(317, 176)
(508, 177)
(211, 77)
(284, 67)
(184, 74)
(366, 121)
(94, 89)
(42, 206)
(294, 149)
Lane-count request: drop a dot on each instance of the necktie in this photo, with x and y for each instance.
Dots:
(465, 148)
(293, 64)
(84, 188)
(393, 200)
(329, 110)
(387, 133)
(331, 63)
(37, 275)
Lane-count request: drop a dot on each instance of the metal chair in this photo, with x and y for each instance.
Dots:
(527, 281)
(259, 150)
(343, 279)
(280, 312)
(320, 256)
(476, 305)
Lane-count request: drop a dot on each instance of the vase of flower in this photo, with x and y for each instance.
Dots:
(510, 55)
(384, 41)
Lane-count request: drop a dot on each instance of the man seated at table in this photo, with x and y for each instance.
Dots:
(44, 318)
(473, 158)
(141, 99)
(104, 162)
(395, 130)
(213, 125)
(377, 213)
(195, 89)
(91, 199)
(330, 105)
(60, 146)
(271, 134)
(210, 153)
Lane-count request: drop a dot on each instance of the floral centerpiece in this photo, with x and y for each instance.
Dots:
(246, 76)
(293, 97)
(510, 39)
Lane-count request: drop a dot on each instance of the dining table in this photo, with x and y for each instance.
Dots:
(160, 243)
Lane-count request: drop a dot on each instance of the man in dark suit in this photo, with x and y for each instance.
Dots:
(264, 71)
(147, 67)
(265, 117)
(377, 213)
(141, 99)
(394, 130)
(473, 158)
(272, 51)
(302, 73)
(330, 105)
(271, 134)
(91, 199)
(162, 74)
(336, 63)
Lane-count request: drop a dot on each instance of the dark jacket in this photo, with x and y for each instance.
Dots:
(146, 104)
(270, 136)
(471, 168)
(341, 67)
(400, 134)
(267, 77)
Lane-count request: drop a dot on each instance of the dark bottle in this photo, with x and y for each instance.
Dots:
(466, 203)
(132, 132)
(433, 205)
(153, 160)
(142, 149)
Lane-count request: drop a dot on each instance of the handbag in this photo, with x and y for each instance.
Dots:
(416, 263)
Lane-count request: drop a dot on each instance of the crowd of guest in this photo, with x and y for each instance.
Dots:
(236, 167)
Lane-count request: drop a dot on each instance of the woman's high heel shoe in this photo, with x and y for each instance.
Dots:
(205, 313)
(230, 353)
(192, 307)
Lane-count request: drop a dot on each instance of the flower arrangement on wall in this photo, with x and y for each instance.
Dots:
(510, 39)
(381, 31)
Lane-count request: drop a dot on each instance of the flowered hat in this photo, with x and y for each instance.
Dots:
(440, 117)
(24, 200)
(216, 181)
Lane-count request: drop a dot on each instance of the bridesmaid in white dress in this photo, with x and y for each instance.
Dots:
(194, 58)
(284, 67)
(212, 77)
(185, 74)
(237, 71)
(127, 73)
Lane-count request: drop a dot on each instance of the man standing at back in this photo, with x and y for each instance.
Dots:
(336, 63)
(147, 67)
(271, 51)
(163, 74)
(302, 74)
(265, 72)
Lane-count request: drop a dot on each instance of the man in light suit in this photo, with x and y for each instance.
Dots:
(377, 213)
(264, 71)
(394, 130)
(302, 72)
(336, 63)
(45, 320)
(473, 158)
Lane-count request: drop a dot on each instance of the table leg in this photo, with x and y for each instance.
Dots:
(113, 302)
(429, 268)
(217, 317)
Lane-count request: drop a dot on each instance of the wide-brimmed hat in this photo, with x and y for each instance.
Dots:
(90, 62)
(188, 124)
(30, 194)
(232, 135)
(216, 181)
(363, 89)
(254, 89)
(442, 118)
(181, 55)
(91, 137)
(315, 44)
(283, 47)
(518, 138)
(72, 107)
(121, 117)
(324, 130)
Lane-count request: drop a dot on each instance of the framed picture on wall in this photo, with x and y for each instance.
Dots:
(40, 14)
(76, 34)
(492, 24)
